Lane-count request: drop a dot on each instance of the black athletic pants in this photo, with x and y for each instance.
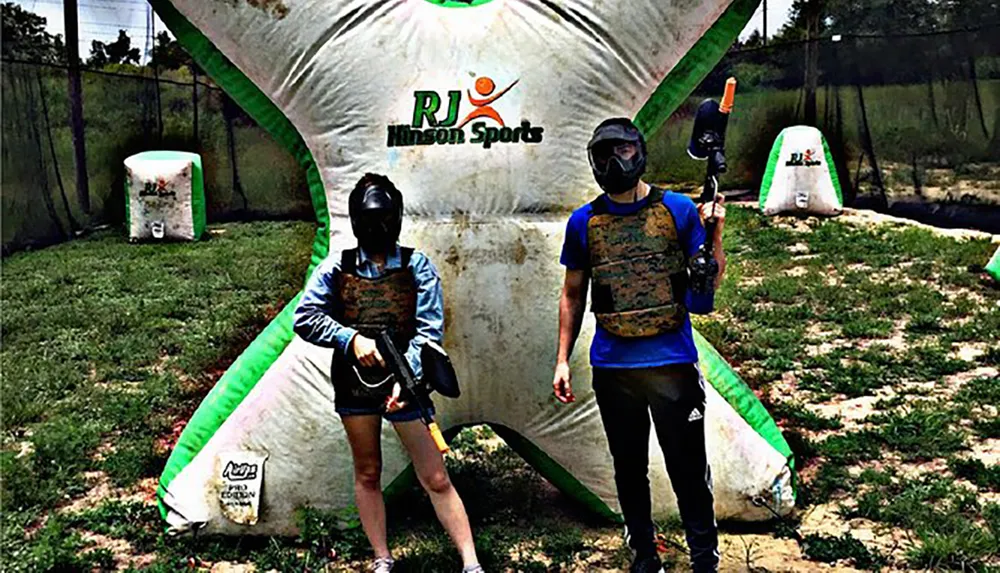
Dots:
(676, 397)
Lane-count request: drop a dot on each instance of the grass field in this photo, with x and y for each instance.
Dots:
(874, 347)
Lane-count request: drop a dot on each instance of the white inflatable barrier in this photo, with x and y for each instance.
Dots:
(165, 196)
(801, 176)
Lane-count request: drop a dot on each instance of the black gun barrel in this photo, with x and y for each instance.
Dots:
(400, 368)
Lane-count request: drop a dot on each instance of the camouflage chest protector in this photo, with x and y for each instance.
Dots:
(638, 269)
(371, 305)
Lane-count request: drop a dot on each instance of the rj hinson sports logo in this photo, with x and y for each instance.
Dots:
(449, 131)
(802, 159)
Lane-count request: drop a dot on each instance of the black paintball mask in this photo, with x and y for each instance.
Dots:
(617, 153)
(376, 210)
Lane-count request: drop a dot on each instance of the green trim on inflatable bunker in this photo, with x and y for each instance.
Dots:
(993, 267)
(251, 365)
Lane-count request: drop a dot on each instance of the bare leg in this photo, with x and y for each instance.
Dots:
(364, 435)
(433, 476)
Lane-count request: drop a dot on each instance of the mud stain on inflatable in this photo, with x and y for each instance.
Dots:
(448, 320)
(452, 258)
(275, 8)
(244, 515)
(520, 252)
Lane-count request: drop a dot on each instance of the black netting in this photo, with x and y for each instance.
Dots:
(913, 121)
(247, 174)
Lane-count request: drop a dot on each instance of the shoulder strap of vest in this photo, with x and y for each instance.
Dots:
(655, 195)
(404, 257)
(349, 261)
(599, 206)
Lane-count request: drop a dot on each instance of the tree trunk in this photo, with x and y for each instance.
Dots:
(813, 19)
(930, 100)
(76, 104)
(975, 90)
(229, 113)
(194, 101)
(764, 34)
(42, 96)
(156, 78)
(869, 145)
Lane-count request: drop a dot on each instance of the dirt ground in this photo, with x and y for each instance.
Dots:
(756, 548)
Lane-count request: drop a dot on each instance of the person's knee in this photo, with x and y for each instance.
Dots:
(632, 471)
(368, 475)
(437, 482)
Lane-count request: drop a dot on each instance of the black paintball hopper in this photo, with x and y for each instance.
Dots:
(439, 373)
(709, 135)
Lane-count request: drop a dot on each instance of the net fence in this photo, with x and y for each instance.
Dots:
(248, 176)
(912, 120)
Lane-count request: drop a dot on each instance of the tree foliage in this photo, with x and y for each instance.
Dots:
(886, 42)
(25, 37)
(118, 52)
(168, 53)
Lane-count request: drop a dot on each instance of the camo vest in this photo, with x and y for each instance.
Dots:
(638, 269)
(371, 305)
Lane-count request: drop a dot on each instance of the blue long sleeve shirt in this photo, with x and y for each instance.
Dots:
(314, 320)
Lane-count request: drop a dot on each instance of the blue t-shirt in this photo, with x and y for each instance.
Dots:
(675, 347)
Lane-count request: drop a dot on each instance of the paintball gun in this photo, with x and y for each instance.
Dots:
(709, 142)
(438, 375)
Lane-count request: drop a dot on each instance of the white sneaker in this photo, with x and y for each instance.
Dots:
(381, 565)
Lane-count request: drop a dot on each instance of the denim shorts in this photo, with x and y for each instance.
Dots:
(409, 412)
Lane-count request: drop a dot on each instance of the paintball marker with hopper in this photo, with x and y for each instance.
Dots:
(708, 142)
(439, 374)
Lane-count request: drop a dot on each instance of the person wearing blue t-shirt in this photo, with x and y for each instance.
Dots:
(630, 247)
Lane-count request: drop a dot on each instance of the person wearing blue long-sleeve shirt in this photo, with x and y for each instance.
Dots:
(631, 247)
(314, 316)
(351, 297)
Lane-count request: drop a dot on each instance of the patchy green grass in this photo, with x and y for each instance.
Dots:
(921, 433)
(852, 447)
(797, 415)
(832, 479)
(982, 390)
(829, 549)
(987, 427)
(983, 476)
(850, 312)
(112, 344)
(942, 515)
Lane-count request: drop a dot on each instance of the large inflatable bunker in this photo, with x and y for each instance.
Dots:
(480, 112)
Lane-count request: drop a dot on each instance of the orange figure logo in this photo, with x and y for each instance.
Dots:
(485, 87)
